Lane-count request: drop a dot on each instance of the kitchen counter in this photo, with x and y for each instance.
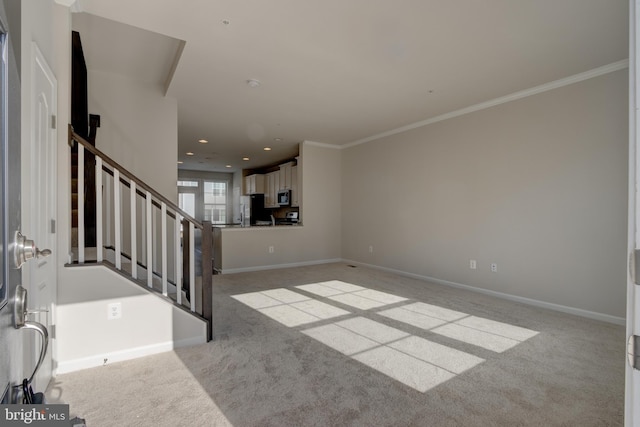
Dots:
(251, 227)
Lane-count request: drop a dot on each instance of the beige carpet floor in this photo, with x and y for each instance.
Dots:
(334, 345)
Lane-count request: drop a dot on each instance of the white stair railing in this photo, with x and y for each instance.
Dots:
(163, 232)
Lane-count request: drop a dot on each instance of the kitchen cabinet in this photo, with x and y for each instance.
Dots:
(286, 176)
(271, 189)
(295, 198)
(254, 184)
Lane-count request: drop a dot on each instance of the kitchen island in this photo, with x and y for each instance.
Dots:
(256, 226)
(253, 248)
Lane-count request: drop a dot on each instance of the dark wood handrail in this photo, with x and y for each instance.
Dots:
(73, 136)
(142, 194)
(205, 296)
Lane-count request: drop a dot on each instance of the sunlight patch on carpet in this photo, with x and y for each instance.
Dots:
(343, 340)
(412, 360)
(412, 318)
(288, 315)
(401, 367)
(485, 333)
(448, 358)
(435, 311)
(288, 307)
(486, 340)
(351, 295)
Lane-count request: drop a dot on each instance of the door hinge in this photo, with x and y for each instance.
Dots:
(53, 122)
(633, 351)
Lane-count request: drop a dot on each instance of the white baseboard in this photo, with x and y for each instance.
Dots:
(277, 266)
(122, 355)
(529, 301)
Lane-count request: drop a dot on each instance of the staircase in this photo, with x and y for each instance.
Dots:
(140, 234)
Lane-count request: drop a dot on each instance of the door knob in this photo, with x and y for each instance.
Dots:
(20, 322)
(20, 310)
(25, 249)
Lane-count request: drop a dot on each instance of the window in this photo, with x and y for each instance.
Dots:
(205, 199)
(215, 202)
(187, 192)
(187, 202)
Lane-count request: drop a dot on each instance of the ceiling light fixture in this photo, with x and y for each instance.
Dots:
(180, 162)
(253, 83)
(267, 148)
(227, 166)
(245, 159)
(203, 141)
(189, 153)
(277, 139)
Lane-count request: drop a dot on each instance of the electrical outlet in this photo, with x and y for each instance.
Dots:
(494, 268)
(472, 264)
(271, 249)
(371, 249)
(114, 311)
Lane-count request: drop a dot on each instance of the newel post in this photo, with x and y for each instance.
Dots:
(186, 258)
(207, 276)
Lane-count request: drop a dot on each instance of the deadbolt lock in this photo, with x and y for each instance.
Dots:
(25, 249)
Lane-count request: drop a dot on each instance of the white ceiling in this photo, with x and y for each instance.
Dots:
(339, 71)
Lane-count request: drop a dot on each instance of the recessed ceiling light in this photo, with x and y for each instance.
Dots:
(245, 159)
(180, 162)
(253, 83)
(277, 139)
(227, 166)
(189, 153)
(267, 148)
(202, 141)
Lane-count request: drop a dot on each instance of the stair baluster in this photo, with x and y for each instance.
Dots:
(171, 230)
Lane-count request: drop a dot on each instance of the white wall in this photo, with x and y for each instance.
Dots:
(538, 186)
(148, 325)
(139, 128)
(317, 240)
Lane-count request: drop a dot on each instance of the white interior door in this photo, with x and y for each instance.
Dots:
(632, 390)
(41, 275)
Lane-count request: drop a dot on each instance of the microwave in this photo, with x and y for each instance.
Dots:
(284, 197)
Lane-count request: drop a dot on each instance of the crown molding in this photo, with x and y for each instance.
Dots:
(606, 69)
(322, 144)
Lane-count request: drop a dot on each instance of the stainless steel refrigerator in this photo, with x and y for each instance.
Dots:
(252, 209)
